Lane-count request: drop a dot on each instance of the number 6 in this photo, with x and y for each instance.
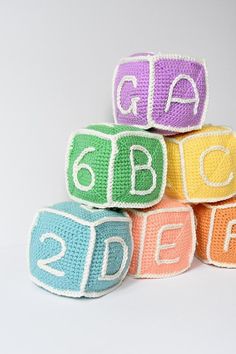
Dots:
(77, 167)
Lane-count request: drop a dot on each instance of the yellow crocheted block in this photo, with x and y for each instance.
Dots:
(202, 165)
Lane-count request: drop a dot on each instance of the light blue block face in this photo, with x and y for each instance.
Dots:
(76, 239)
(111, 234)
(78, 251)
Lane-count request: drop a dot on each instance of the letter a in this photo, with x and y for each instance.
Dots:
(194, 100)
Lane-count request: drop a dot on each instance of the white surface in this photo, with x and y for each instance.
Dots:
(192, 313)
(56, 63)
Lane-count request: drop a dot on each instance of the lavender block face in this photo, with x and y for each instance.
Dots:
(166, 92)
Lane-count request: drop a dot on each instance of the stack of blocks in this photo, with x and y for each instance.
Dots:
(142, 199)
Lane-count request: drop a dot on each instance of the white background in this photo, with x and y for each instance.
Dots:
(56, 64)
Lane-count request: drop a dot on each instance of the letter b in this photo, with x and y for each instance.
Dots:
(144, 167)
(116, 166)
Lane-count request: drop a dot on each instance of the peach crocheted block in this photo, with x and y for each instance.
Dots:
(164, 239)
(216, 233)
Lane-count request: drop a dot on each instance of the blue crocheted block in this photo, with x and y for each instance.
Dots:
(79, 251)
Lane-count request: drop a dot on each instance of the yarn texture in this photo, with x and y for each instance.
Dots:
(216, 233)
(202, 165)
(132, 189)
(78, 251)
(167, 92)
(164, 239)
(112, 165)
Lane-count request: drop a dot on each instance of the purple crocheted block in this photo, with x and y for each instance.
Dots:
(167, 92)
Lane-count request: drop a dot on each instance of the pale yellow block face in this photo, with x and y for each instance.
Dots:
(207, 165)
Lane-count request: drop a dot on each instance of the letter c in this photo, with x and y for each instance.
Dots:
(202, 172)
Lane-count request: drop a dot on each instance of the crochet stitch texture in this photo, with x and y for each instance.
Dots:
(164, 239)
(167, 92)
(216, 233)
(202, 165)
(78, 251)
(112, 165)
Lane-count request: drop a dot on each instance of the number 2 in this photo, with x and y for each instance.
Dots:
(44, 263)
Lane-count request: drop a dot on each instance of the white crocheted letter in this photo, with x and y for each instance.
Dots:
(134, 100)
(160, 246)
(117, 274)
(143, 167)
(181, 100)
(206, 180)
(229, 235)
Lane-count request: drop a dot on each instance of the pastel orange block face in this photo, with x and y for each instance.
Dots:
(164, 240)
(216, 233)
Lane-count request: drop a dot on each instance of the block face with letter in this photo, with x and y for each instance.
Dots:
(216, 233)
(132, 87)
(166, 92)
(202, 165)
(164, 240)
(112, 165)
(78, 251)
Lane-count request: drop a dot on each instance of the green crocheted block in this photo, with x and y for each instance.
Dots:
(112, 165)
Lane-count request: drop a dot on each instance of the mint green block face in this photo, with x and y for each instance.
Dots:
(93, 163)
(111, 165)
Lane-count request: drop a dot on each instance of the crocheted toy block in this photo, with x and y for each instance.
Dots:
(164, 240)
(202, 165)
(216, 233)
(112, 165)
(78, 251)
(167, 92)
